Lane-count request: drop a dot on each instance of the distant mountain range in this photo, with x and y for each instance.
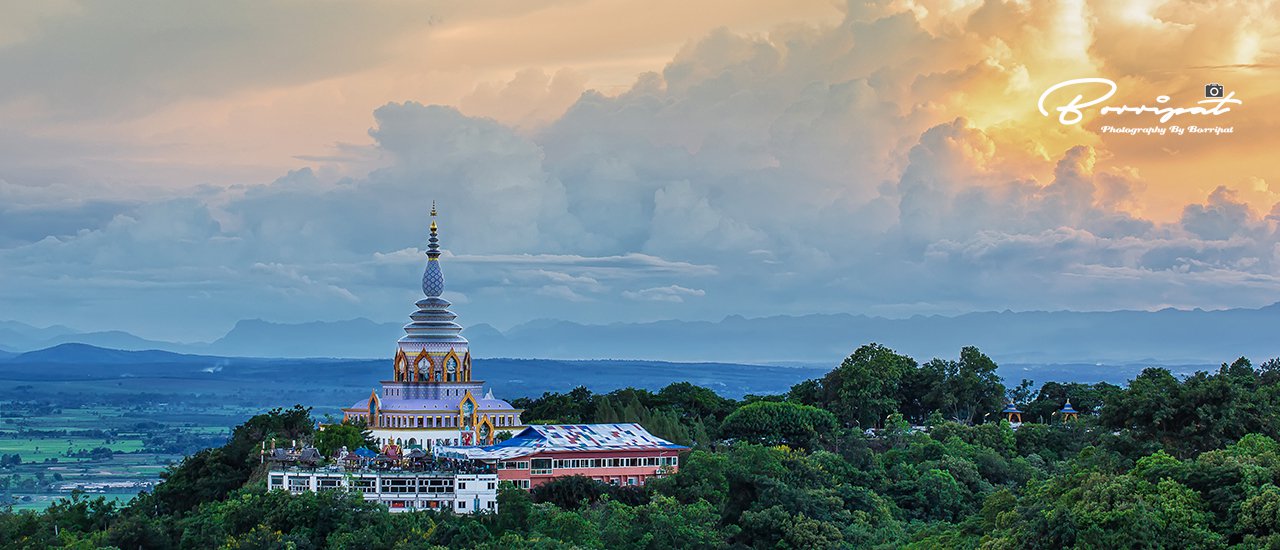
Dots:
(330, 383)
(1165, 336)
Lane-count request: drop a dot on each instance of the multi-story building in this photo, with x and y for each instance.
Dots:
(432, 398)
(622, 454)
(401, 491)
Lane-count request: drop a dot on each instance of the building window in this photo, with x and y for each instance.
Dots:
(364, 485)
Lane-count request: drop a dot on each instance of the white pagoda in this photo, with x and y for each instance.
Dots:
(431, 398)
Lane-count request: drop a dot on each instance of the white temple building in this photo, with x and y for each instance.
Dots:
(432, 398)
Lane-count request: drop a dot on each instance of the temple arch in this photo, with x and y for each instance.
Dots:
(417, 372)
(485, 430)
(451, 361)
(398, 366)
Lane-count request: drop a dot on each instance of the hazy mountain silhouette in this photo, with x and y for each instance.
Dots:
(1165, 336)
(87, 354)
(18, 337)
(353, 338)
(1168, 335)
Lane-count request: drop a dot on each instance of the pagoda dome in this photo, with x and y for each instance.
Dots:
(432, 327)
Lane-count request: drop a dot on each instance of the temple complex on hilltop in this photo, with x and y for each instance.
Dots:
(437, 437)
(431, 398)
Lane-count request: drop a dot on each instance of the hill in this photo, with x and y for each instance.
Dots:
(92, 355)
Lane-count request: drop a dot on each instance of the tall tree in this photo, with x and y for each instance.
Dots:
(864, 389)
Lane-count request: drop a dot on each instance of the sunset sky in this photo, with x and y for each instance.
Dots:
(168, 168)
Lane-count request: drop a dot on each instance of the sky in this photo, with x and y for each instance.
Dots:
(168, 168)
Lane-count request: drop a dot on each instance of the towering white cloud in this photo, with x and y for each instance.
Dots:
(890, 164)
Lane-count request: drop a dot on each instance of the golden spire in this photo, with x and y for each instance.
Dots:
(433, 216)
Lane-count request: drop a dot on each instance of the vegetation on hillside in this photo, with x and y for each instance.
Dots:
(882, 452)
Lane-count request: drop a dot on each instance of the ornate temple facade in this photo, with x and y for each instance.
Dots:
(432, 398)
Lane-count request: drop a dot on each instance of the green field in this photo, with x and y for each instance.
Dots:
(57, 446)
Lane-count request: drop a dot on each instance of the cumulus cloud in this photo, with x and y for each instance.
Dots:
(670, 293)
(530, 100)
(560, 292)
(891, 164)
(1220, 218)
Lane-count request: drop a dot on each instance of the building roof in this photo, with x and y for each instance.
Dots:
(1010, 408)
(566, 437)
(1068, 409)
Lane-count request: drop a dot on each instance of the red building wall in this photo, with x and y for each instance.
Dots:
(666, 462)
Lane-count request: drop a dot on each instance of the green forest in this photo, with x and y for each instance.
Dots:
(881, 452)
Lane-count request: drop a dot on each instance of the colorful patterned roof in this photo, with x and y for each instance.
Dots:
(566, 437)
(1068, 409)
(1011, 408)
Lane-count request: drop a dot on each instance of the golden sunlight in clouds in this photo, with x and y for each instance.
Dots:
(1150, 48)
(986, 62)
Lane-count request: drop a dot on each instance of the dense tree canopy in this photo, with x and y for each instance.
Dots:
(876, 381)
(782, 423)
(352, 435)
(1164, 462)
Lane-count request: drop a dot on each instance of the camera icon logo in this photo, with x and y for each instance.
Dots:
(1213, 90)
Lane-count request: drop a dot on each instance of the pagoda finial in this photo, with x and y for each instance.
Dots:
(433, 249)
(432, 278)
